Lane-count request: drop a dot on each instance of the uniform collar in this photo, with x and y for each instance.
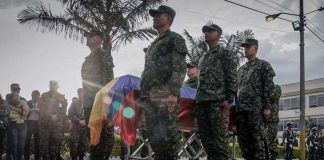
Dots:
(253, 61)
(163, 34)
(214, 49)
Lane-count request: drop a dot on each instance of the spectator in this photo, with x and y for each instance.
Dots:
(17, 127)
(32, 126)
(14, 87)
(4, 114)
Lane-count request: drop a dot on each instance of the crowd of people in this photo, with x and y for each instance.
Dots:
(215, 76)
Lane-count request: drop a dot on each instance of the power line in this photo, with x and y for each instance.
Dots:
(256, 10)
(281, 6)
(315, 3)
(313, 41)
(315, 26)
(268, 6)
(315, 34)
(260, 27)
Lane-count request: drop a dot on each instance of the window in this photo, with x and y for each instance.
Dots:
(316, 100)
(320, 123)
(281, 103)
(281, 126)
(316, 122)
(288, 104)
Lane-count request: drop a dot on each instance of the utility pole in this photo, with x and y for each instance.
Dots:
(302, 82)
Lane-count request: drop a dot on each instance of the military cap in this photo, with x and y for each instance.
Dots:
(53, 84)
(289, 123)
(93, 32)
(163, 9)
(250, 42)
(314, 129)
(212, 27)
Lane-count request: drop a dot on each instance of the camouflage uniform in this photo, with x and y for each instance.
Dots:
(272, 122)
(217, 83)
(97, 71)
(51, 132)
(255, 84)
(78, 137)
(164, 72)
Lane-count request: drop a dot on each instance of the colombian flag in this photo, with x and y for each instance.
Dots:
(116, 102)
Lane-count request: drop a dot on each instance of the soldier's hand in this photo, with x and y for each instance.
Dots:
(171, 102)
(266, 113)
(226, 108)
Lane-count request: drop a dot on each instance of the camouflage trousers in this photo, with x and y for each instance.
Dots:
(161, 129)
(250, 135)
(50, 139)
(272, 130)
(78, 142)
(102, 151)
(212, 125)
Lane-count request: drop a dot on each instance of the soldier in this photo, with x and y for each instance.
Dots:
(321, 142)
(32, 126)
(217, 86)
(97, 71)
(255, 82)
(288, 138)
(163, 74)
(272, 123)
(192, 73)
(52, 117)
(313, 144)
(78, 132)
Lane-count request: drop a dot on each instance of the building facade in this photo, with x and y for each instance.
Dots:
(289, 105)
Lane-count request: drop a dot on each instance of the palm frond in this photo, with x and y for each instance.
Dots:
(127, 37)
(37, 13)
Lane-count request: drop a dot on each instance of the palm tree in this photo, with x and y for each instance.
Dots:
(119, 21)
(197, 47)
(233, 42)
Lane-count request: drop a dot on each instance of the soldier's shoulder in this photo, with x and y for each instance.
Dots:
(46, 94)
(178, 42)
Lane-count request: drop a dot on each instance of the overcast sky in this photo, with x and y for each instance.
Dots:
(32, 58)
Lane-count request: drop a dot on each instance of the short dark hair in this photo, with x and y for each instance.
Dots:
(36, 92)
(13, 85)
(80, 90)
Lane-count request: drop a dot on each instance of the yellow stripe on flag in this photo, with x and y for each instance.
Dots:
(99, 112)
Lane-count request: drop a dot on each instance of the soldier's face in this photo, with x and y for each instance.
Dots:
(250, 51)
(35, 96)
(192, 72)
(211, 36)
(93, 40)
(160, 20)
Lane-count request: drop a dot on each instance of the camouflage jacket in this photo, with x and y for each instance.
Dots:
(165, 66)
(192, 83)
(274, 104)
(52, 103)
(255, 82)
(97, 71)
(218, 75)
(75, 114)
